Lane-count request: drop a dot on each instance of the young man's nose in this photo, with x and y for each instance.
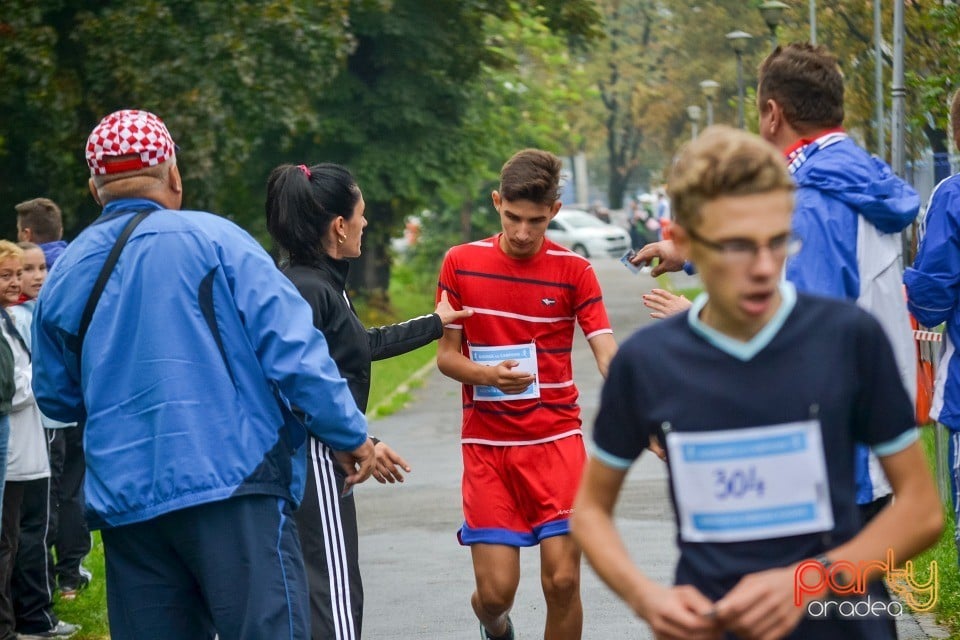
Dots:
(765, 262)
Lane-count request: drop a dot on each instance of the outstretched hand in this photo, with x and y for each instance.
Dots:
(447, 313)
(663, 304)
(390, 465)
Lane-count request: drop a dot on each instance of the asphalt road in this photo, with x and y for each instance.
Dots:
(417, 577)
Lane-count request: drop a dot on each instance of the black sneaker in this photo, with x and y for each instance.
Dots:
(485, 635)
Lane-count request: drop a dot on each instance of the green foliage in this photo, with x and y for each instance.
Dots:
(400, 91)
(944, 553)
(427, 132)
(648, 69)
(220, 79)
(933, 67)
(412, 296)
(89, 609)
(931, 63)
(658, 52)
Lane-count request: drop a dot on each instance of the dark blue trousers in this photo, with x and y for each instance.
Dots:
(231, 568)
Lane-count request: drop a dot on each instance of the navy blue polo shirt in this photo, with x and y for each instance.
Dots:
(817, 359)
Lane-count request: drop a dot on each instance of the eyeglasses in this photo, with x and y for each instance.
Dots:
(741, 250)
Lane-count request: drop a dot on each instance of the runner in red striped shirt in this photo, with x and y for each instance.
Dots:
(523, 450)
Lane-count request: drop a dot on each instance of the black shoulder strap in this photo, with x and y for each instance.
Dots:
(105, 272)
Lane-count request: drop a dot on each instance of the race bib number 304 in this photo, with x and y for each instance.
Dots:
(750, 484)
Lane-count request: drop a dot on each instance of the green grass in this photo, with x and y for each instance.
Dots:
(410, 297)
(89, 610)
(944, 553)
(390, 390)
(664, 281)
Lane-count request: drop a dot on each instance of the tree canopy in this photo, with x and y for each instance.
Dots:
(422, 99)
(403, 92)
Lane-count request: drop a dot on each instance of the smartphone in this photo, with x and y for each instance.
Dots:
(625, 259)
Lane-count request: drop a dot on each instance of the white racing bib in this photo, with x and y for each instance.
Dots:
(750, 484)
(525, 354)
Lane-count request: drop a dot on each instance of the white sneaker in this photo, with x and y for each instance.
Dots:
(61, 630)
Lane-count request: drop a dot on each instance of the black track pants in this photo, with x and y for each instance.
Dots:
(328, 535)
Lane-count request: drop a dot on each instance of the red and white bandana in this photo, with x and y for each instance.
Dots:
(128, 140)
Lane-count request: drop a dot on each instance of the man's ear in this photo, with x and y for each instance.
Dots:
(681, 240)
(174, 180)
(775, 116)
(495, 195)
(555, 208)
(93, 191)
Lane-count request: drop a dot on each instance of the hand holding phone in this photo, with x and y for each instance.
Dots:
(626, 260)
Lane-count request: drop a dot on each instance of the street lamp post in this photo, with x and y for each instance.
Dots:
(710, 89)
(772, 12)
(693, 112)
(878, 80)
(813, 21)
(738, 41)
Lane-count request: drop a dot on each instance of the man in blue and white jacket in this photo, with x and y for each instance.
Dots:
(195, 357)
(933, 286)
(850, 209)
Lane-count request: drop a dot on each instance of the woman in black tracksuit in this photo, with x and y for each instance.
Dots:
(315, 215)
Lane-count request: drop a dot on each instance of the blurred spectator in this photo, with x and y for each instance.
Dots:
(643, 225)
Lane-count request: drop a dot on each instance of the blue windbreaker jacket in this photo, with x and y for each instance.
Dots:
(850, 208)
(196, 351)
(933, 285)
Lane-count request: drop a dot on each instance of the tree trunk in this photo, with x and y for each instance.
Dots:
(617, 186)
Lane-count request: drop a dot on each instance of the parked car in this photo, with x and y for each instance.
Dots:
(587, 235)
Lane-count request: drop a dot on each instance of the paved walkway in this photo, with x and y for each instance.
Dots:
(418, 579)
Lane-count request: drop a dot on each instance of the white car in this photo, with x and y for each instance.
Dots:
(587, 235)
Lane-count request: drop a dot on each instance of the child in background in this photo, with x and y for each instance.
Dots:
(34, 273)
(25, 600)
(40, 221)
(68, 555)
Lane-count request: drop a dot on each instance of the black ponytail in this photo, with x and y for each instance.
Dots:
(302, 203)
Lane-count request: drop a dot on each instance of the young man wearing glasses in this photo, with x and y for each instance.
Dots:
(759, 433)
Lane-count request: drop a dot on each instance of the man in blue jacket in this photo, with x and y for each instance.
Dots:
(933, 288)
(193, 362)
(850, 209)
